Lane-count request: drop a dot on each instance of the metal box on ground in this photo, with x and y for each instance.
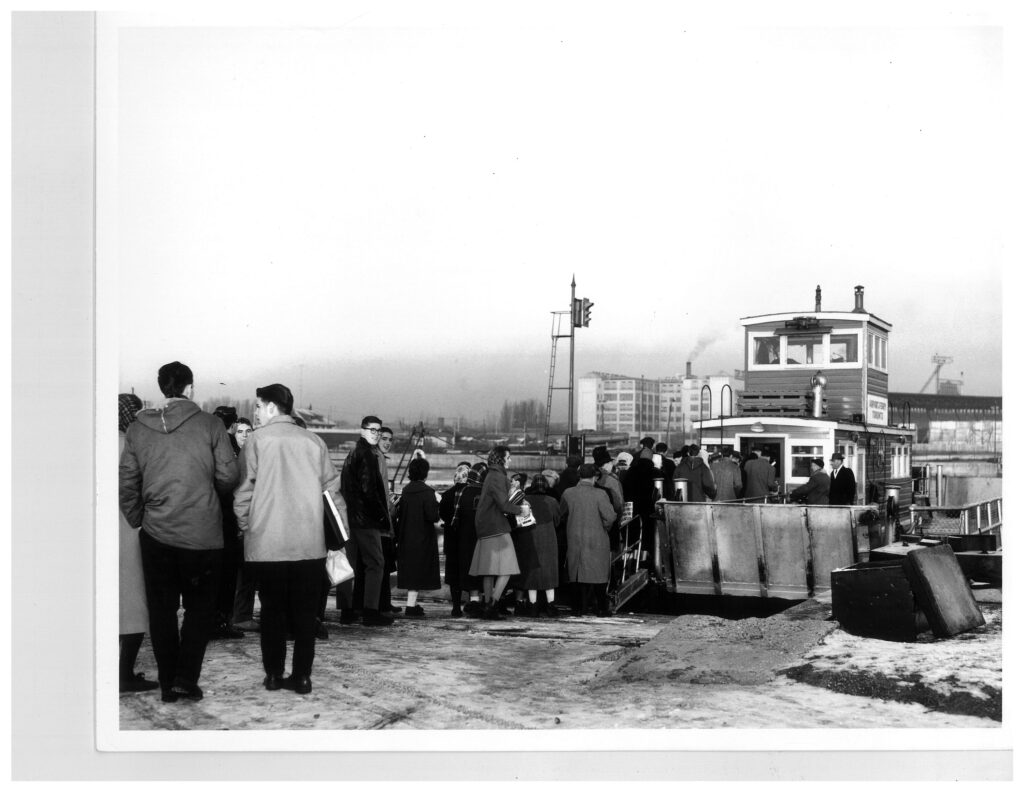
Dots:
(982, 566)
(875, 599)
(942, 590)
(972, 542)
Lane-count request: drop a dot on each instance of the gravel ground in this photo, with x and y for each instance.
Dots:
(792, 670)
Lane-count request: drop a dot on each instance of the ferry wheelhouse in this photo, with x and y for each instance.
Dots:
(817, 383)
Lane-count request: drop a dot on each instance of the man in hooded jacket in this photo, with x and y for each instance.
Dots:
(176, 461)
(701, 483)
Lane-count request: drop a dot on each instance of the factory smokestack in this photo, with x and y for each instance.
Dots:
(858, 299)
(689, 372)
(817, 300)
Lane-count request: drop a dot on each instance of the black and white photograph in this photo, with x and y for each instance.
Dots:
(600, 384)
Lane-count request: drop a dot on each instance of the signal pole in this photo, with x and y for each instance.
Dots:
(572, 364)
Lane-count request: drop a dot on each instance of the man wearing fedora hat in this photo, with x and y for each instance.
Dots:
(815, 490)
(843, 487)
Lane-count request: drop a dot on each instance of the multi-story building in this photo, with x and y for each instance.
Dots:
(664, 408)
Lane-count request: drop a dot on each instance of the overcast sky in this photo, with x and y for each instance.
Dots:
(383, 214)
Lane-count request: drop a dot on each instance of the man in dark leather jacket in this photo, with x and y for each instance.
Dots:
(365, 494)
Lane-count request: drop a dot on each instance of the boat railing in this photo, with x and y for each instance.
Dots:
(984, 517)
(626, 576)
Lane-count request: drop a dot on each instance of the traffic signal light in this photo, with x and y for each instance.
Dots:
(581, 312)
(577, 445)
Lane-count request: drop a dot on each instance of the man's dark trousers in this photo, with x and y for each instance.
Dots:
(289, 601)
(172, 576)
(367, 558)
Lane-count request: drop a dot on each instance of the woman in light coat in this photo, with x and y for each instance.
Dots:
(132, 614)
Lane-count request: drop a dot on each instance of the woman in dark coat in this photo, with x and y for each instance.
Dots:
(458, 511)
(537, 548)
(495, 557)
(419, 567)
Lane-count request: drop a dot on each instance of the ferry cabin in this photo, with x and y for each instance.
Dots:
(817, 382)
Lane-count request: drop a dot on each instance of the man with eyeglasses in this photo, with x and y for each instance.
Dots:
(362, 486)
(387, 438)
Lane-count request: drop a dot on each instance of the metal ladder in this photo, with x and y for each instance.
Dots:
(556, 333)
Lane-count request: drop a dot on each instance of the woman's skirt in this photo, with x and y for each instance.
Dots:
(494, 555)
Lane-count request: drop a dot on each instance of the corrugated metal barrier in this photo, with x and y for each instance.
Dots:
(767, 550)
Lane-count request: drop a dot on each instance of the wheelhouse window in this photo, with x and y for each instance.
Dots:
(843, 349)
(766, 351)
(877, 352)
(840, 349)
(805, 350)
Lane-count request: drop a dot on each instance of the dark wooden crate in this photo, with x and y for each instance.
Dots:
(875, 599)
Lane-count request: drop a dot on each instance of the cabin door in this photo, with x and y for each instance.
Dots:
(772, 449)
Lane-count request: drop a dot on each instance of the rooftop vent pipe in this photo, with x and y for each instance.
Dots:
(858, 299)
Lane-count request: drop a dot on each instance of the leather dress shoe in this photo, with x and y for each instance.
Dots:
(321, 632)
(302, 685)
(394, 609)
(187, 691)
(375, 619)
(415, 610)
(168, 695)
(138, 683)
(348, 616)
(248, 626)
(456, 612)
(272, 682)
(494, 613)
(225, 631)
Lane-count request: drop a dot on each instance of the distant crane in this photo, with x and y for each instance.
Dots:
(938, 360)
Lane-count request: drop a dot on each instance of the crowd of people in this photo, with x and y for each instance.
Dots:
(215, 508)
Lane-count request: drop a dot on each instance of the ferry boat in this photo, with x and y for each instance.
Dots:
(816, 383)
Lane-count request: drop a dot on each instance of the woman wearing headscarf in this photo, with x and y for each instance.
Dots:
(516, 495)
(132, 614)
(458, 511)
(495, 557)
(537, 549)
(419, 568)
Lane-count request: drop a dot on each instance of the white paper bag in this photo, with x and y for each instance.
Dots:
(338, 568)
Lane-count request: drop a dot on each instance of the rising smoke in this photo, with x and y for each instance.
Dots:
(703, 342)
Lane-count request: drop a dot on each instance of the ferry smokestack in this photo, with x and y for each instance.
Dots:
(858, 299)
(817, 300)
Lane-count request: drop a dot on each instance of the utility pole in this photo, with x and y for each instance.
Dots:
(572, 362)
